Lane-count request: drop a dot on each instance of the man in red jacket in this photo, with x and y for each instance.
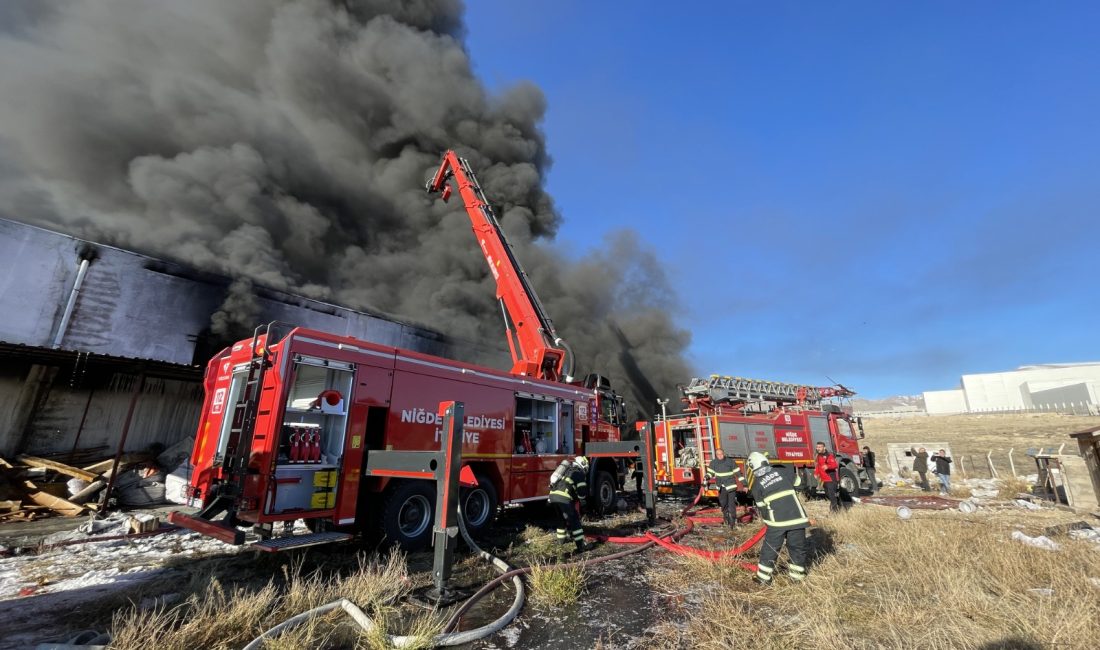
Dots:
(825, 470)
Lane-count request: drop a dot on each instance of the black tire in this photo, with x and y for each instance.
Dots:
(407, 515)
(602, 493)
(479, 505)
(808, 483)
(849, 482)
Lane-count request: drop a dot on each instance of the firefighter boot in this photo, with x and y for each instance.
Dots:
(763, 575)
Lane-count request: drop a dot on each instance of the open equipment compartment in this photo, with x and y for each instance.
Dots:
(311, 440)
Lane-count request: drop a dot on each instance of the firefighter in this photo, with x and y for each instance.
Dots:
(568, 485)
(727, 476)
(825, 469)
(784, 519)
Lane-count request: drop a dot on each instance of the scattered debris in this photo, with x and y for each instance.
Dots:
(1042, 541)
(1027, 505)
(913, 502)
(1063, 529)
(65, 484)
(1042, 592)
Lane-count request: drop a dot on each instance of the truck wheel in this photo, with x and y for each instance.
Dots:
(407, 515)
(603, 492)
(479, 505)
(848, 481)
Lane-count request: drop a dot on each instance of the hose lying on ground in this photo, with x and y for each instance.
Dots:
(447, 638)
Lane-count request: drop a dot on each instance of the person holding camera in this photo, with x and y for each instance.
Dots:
(920, 466)
(943, 470)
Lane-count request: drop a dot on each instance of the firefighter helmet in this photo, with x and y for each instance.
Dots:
(757, 460)
(581, 462)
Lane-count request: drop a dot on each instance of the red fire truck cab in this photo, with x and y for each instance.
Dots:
(324, 402)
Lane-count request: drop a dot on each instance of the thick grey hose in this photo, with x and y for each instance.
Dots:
(444, 639)
(458, 638)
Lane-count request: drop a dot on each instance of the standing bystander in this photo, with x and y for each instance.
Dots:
(920, 466)
(943, 470)
(869, 467)
(825, 470)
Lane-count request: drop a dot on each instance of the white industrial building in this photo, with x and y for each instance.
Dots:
(1052, 387)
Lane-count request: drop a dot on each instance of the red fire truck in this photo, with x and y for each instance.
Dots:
(292, 415)
(740, 416)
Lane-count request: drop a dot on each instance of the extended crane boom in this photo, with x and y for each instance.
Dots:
(537, 350)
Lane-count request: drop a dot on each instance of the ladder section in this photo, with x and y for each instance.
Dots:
(704, 437)
(239, 446)
(719, 388)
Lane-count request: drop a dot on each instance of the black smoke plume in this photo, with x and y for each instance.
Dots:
(287, 143)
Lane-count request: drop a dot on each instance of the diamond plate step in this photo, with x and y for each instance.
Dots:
(276, 544)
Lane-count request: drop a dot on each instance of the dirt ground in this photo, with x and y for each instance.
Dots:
(1000, 592)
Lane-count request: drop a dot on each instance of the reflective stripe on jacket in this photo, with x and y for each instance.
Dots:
(776, 499)
(725, 472)
(573, 487)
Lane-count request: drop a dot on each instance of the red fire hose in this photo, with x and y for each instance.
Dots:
(701, 517)
(680, 549)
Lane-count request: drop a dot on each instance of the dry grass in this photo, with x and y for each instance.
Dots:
(972, 436)
(1011, 487)
(940, 580)
(214, 616)
(537, 546)
(553, 586)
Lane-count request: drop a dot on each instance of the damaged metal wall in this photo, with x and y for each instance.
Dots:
(133, 310)
(167, 411)
(135, 306)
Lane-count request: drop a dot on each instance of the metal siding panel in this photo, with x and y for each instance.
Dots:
(734, 439)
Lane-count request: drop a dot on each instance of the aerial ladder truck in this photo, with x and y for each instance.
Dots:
(738, 415)
(300, 424)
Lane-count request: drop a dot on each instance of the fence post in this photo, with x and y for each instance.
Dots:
(1011, 464)
(962, 466)
(992, 469)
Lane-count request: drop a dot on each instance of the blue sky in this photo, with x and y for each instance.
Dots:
(888, 194)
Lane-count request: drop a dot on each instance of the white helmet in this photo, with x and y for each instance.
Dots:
(581, 462)
(757, 460)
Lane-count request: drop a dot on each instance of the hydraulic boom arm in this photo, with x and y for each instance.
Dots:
(537, 350)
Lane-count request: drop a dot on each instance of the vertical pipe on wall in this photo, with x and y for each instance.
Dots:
(69, 306)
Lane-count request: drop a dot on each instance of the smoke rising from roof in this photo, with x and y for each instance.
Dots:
(287, 143)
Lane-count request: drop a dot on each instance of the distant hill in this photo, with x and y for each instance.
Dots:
(895, 403)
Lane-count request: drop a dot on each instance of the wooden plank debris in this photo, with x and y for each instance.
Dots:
(57, 504)
(127, 459)
(60, 468)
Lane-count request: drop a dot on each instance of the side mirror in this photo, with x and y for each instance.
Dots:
(859, 423)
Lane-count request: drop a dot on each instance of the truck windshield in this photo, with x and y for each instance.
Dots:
(844, 428)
